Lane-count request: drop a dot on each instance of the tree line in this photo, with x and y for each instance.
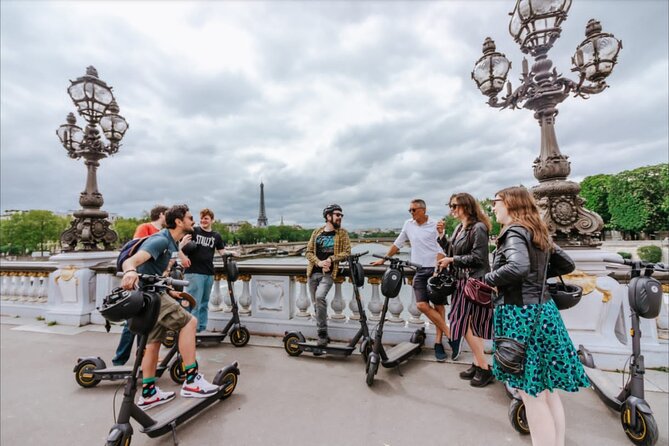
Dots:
(632, 201)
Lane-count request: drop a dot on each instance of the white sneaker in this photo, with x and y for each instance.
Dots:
(199, 388)
(157, 399)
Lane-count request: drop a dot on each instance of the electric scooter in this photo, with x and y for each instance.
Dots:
(390, 288)
(645, 300)
(239, 334)
(178, 411)
(295, 343)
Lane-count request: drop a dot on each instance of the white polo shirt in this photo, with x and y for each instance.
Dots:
(423, 239)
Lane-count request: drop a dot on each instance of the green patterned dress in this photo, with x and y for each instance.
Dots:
(551, 361)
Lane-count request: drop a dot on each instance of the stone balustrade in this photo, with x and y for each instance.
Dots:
(273, 299)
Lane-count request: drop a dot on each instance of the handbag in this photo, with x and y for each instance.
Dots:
(479, 292)
(510, 353)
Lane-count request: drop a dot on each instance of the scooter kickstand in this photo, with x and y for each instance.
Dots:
(399, 370)
(173, 425)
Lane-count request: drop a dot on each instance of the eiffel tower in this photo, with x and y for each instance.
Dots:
(262, 217)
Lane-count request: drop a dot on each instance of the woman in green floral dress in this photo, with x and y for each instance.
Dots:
(525, 312)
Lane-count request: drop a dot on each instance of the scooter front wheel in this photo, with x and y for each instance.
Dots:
(240, 337)
(645, 433)
(372, 367)
(290, 345)
(121, 442)
(177, 372)
(84, 374)
(518, 417)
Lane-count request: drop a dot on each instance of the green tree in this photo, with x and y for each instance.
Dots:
(595, 190)
(486, 205)
(35, 230)
(125, 228)
(639, 199)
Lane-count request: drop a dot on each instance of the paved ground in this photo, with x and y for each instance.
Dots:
(279, 400)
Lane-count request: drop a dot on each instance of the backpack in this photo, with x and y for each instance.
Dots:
(128, 250)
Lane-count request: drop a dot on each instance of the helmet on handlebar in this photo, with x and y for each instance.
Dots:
(177, 272)
(439, 287)
(231, 270)
(645, 296)
(357, 274)
(122, 304)
(330, 208)
(391, 282)
(565, 295)
(189, 248)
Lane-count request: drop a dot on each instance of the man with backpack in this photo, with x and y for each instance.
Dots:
(144, 230)
(153, 257)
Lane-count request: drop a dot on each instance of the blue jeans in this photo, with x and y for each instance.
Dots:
(199, 286)
(124, 346)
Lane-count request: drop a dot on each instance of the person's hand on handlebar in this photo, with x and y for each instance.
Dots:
(130, 280)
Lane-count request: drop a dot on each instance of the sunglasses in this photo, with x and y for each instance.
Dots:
(338, 214)
(453, 206)
(494, 200)
(412, 210)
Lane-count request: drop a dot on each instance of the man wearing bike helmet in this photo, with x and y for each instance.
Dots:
(327, 246)
(153, 258)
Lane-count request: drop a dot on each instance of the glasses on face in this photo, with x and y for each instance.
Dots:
(453, 206)
(338, 214)
(495, 200)
(412, 210)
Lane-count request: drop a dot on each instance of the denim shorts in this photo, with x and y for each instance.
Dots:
(420, 283)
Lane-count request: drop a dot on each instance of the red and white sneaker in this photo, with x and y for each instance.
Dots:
(157, 399)
(199, 388)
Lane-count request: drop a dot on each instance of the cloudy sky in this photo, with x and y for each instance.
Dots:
(367, 104)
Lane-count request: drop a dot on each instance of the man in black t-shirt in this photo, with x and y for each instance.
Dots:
(327, 247)
(200, 265)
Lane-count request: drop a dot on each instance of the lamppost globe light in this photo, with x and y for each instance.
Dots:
(90, 95)
(535, 24)
(491, 69)
(596, 56)
(114, 126)
(71, 136)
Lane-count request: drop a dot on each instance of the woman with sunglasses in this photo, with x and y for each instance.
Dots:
(468, 254)
(524, 313)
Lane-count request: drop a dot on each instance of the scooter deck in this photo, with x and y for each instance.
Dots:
(177, 412)
(337, 350)
(607, 391)
(209, 336)
(121, 372)
(399, 353)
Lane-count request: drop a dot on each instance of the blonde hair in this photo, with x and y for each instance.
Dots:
(207, 211)
(523, 211)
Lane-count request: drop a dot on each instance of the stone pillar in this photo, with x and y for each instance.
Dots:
(245, 298)
(375, 305)
(338, 305)
(72, 287)
(302, 302)
(416, 317)
(215, 298)
(273, 297)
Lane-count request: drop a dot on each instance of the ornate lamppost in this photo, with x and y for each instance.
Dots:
(96, 104)
(535, 26)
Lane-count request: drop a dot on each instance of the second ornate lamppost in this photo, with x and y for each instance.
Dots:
(535, 26)
(96, 104)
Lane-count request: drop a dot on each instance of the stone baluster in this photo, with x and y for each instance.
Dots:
(375, 304)
(416, 317)
(245, 298)
(34, 286)
(302, 303)
(395, 308)
(24, 290)
(43, 291)
(215, 301)
(352, 304)
(14, 286)
(338, 305)
(5, 285)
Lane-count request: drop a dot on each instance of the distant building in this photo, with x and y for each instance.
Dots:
(234, 226)
(262, 217)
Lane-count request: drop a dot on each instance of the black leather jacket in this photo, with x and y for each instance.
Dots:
(469, 249)
(518, 268)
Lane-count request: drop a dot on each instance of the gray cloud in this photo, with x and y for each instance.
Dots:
(368, 104)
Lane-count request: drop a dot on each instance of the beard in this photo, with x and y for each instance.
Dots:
(336, 224)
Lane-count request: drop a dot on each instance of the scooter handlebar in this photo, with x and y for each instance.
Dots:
(398, 261)
(154, 279)
(615, 258)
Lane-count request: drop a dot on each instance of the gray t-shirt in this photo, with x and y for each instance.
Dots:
(160, 246)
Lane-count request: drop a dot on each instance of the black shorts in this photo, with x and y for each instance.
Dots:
(420, 283)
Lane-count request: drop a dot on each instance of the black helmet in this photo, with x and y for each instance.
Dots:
(357, 274)
(391, 282)
(143, 322)
(330, 208)
(565, 295)
(121, 304)
(645, 296)
(189, 248)
(439, 287)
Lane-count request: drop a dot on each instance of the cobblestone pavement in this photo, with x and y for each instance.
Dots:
(280, 401)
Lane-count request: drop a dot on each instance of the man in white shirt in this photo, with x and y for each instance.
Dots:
(422, 233)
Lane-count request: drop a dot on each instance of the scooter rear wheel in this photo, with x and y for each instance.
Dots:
(240, 337)
(290, 345)
(177, 372)
(84, 374)
(229, 383)
(518, 417)
(119, 442)
(372, 367)
(645, 434)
